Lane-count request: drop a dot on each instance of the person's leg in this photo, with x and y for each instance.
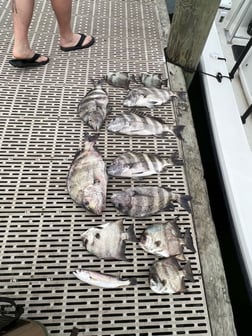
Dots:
(63, 12)
(22, 11)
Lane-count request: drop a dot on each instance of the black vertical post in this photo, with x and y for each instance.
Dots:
(240, 59)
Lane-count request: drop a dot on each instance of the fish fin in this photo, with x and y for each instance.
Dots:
(131, 233)
(176, 160)
(181, 95)
(133, 281)
(188, 272)
(121, 254)
(181, 257)
(177, 130)
(184, 202)
(188, 241)
(91, 137)
(182, 287)
(169, 207)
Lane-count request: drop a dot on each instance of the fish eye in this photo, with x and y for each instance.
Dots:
(86, 203)
(97, 235)
(158, 243)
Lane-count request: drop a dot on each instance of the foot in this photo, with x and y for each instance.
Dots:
(19, 55)
(72, 42)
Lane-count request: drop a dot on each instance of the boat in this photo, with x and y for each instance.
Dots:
(226, 74)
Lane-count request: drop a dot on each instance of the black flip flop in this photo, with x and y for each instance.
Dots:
(79, 44)
(28, 62)
(26, 328)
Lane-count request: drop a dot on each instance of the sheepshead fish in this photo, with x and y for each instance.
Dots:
(130, 123)
(136, 164)
(107, 241)
(87, 178)
(166, 240)
(152, 80)
(103, 280)
(148, 97)
(120, 79)
(166, 276)
(93, 107)
(144, 201)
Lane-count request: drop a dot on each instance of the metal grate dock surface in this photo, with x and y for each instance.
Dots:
(40, 132)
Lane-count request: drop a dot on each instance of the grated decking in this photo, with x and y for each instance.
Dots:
(40, 132)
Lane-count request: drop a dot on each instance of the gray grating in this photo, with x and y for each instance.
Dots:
(40, 132)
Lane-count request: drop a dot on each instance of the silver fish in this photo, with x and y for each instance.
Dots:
(87, 178)
(119, 79)
(152, 80)
(166, 240)
(144, 201)
(136, 123)
(107, 241)
(166, 276)
(93, 107)
(103, 280)
(148, 97)
(136, 164)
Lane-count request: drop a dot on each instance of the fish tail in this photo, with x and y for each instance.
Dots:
(91, 137)
(184, 202)
(189, 241)
(177, 130)
(181, 95)
(133, 281)
(176, 160)
(188, 272)
(134, 78)
(131, 233)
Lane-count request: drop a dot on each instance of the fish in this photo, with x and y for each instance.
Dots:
(152, 80)
(166, 276)
(87, 178)
(166, 240)
(107, 241)
(145, 201)
(149, 97)
(103, 280)
(120, 79)
(93, 107)
(137, 164)
(136, 123)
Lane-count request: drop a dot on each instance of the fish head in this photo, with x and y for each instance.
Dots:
(94, 120)
(116, 124)
(90, 237)
(131, 98)
(156, 283)
(94, 199)
(118, 168)
(122, 201)
(153, 243)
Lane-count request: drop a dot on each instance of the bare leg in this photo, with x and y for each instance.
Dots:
(22, 11)
(63, 11)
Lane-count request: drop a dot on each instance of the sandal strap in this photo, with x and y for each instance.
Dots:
(6, 320)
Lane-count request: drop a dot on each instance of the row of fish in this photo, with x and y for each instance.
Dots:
(87, 183)
(94, 106)
(122, 79)
(88, 177)
(107, 241)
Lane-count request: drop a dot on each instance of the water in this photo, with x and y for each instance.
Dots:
(241, 304)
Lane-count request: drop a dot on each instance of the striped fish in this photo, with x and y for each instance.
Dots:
(87, 178)
(136, 164)
(144, 201)
(152, 79)
(119, 79)
(136, 123)
(148, 97)
(166, 276)
(93, 107)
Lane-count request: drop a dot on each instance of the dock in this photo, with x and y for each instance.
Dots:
(40, 225)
